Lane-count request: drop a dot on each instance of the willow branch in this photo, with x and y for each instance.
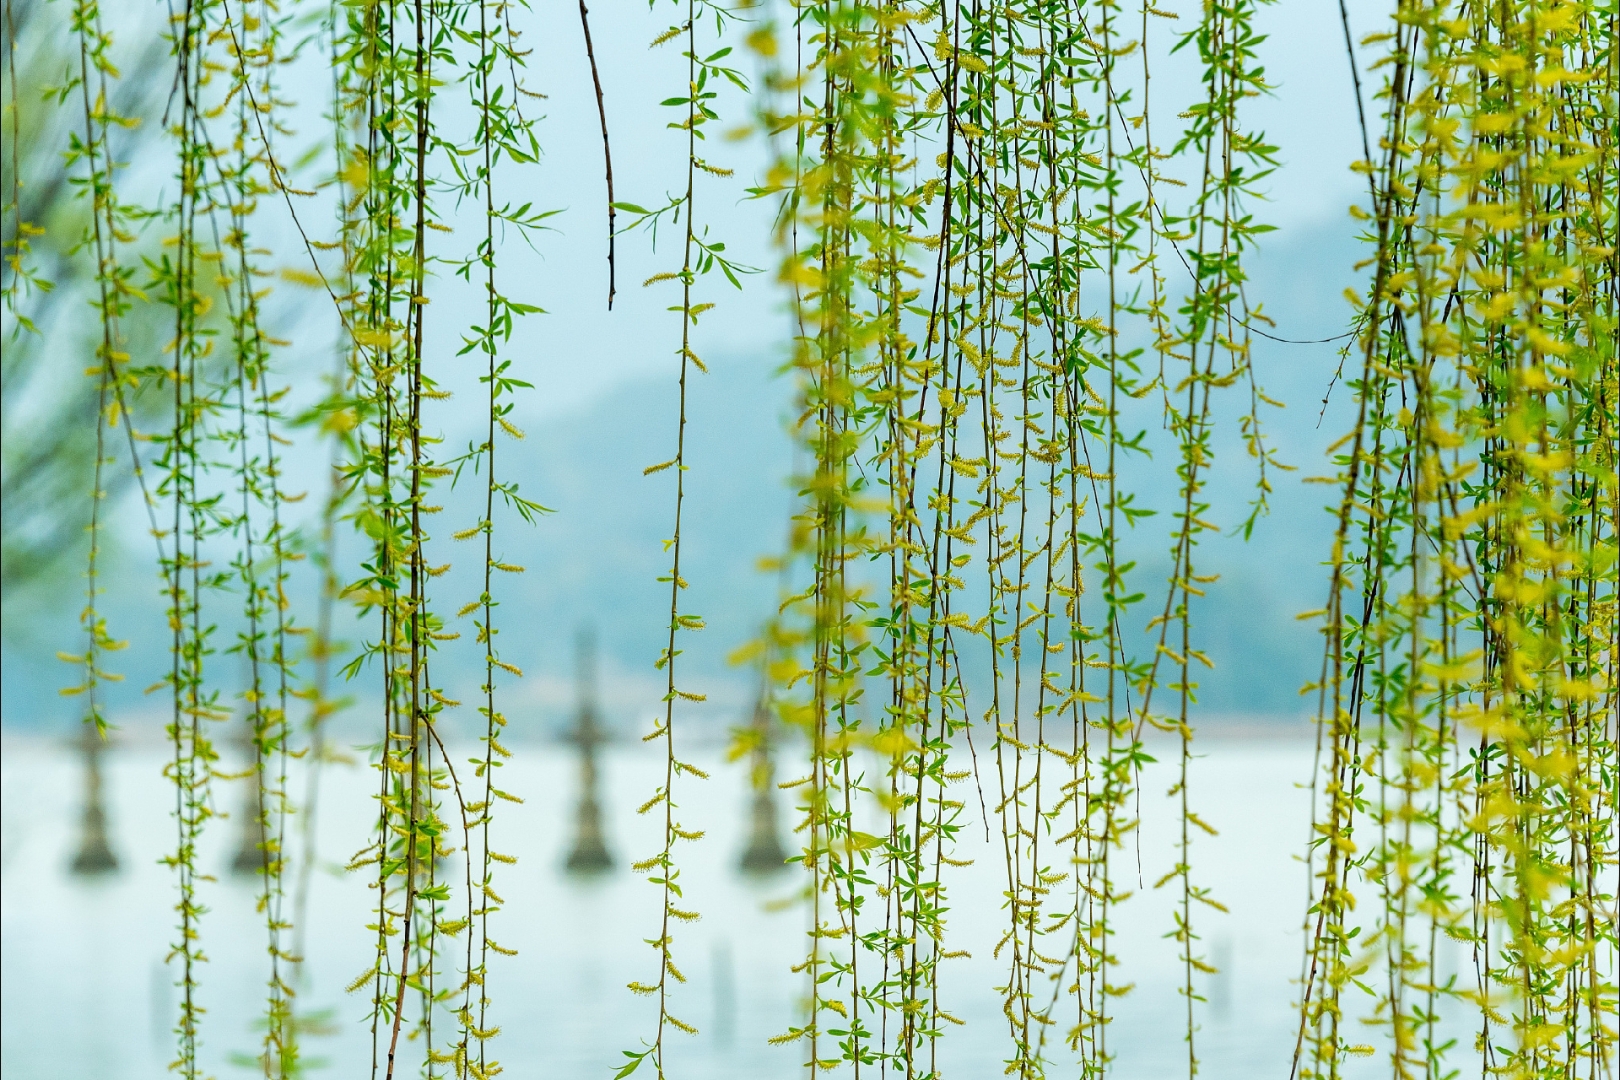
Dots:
(607, 149)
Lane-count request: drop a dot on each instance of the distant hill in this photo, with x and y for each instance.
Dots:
(595, 560)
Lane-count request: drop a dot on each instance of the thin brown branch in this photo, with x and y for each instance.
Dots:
(607, 149)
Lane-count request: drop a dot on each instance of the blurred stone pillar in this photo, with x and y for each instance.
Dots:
(95, 854)
(589, 854)
(764, 854)
(249, 857)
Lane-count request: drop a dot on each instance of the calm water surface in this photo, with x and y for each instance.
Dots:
(86, 993)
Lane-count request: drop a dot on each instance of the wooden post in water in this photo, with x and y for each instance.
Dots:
(764, 854)
(590, 854)
(95, 854)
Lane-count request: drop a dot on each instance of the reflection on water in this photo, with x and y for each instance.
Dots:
(86, 993)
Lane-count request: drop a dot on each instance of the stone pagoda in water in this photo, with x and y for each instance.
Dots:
(248, 858)
(589, 854)
(764, 854)
(95, 854)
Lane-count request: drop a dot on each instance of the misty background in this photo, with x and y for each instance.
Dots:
(88, 987)
(604, 403)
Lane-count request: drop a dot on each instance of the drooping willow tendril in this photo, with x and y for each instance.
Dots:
(701, 255)
(1020, 311)
(94, 150)
(1013, 407)
(1467, 701)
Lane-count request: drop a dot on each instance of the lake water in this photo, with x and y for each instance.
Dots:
(86, 993)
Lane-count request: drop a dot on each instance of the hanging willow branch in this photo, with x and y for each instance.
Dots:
(1468, 694)
(700, 256)
(1006, 424)
(1010, 285)
(607, 152)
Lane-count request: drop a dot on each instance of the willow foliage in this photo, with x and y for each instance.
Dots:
(995, 266)
(1468, 698)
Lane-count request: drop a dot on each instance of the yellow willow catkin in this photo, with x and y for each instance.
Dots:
(265, 640)
(393, 92)
(196, 400)
(997, 437)
(107, 229)
(1001, 276)
(1469, 691)
(502, 131)
(701, 255)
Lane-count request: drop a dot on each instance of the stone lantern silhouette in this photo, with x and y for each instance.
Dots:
(249, 857)
(764, 854)
(589, 854)
(95, 854)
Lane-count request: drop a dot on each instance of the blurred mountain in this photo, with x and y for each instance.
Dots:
(596, 559)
